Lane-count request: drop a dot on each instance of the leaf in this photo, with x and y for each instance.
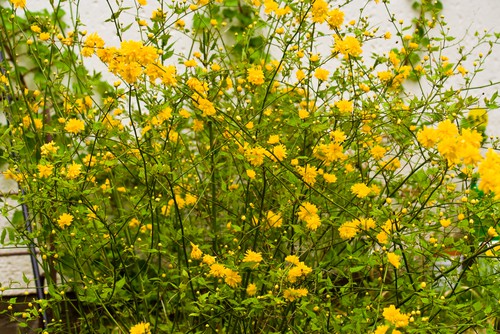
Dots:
(54, 294)
(2, 238)
(356, 269)
(120, 283)
(26, 279)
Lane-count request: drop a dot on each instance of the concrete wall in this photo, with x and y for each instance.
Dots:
(14, 260)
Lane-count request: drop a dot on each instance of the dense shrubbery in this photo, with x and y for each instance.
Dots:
(276, 178)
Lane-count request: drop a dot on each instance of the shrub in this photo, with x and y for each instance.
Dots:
(277, 177)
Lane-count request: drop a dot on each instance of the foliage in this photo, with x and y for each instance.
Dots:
(277, 177)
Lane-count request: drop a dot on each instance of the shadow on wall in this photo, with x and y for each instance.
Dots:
(12, 321)
(10, 324)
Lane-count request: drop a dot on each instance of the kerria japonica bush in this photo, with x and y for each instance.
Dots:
(275, 177)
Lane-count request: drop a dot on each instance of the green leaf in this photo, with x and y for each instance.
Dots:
(2, 237)
(120, 283)
(356, 269)
(26, 279)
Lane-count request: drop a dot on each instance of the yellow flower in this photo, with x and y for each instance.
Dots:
(251, 289)
(447, 129)
(208, 259)
(377, 152)
(489, 169)
(146, 227)
(255, 75)
(314, 57)
(251, 173)
(232, 278)
(299, 270)
(142, 2)
(184, 113)
(197, 125)
(321, 74)
(251, 256)
(381, 329)
(196, 252)
(394, 316)
(382, 237)
(74, 125)
(445, 222)
(338, 136)
(92, 43)
(344, 106)
(330, 178)
(36, 29)
(38, 123)
(300, 75)
(73, 171)
(428, 137)
(255, 156)
(217, 270)
(303, 114)
(492, 232)
(394, 59)
(293, 294)
(308, 174)
(462, 70)
(44, 36)
(307, 210)
(393, 259)
(273, 220)
(133, 223)
(273, 139)
(329, 152)
(384, 76)
(313, 222)
(366, 223)
(206, 106)
(190, 63)
(11, 175)
(293, 259)
(390, 164)
(158, 15)
(335, 18)
(349, 229)
(64, 220)
(18, 3)
(349, 46)
(361, 190)
(319, 11)
(45, 170)
(141, 328)
(279, 152)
